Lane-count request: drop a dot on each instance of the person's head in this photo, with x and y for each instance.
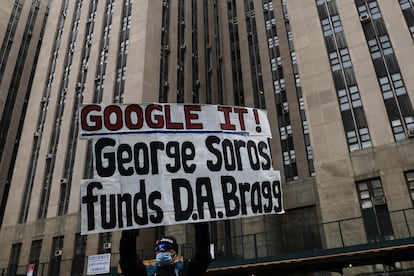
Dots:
(166, 250)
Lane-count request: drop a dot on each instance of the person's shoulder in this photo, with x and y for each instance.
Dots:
(179, 264)
(151, 268)
(151, 262)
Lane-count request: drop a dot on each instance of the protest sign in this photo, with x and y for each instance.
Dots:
(163, 164)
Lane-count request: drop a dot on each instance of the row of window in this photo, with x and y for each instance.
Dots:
(397, 103)
(101, 71)
(65, 183)
(374, 208)
(194, 47)
(392, 86)
(58, 116)
(12, 93)
(288, 146)
(165, 50)
(350, 104)
(103, 51)
(66, 180)
(181, 52)
(44, 102)
(219, 55)
(123, 52)
(9, 35)
(289, 151)
(255, 64)
(55, 259)
(207, 52)
(236, 66)
(34, 9)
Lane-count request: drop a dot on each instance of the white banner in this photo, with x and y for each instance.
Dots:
(154, 178)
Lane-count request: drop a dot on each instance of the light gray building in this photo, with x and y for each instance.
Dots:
(334, 76)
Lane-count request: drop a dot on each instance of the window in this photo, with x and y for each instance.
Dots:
(374, 10)
(398, 130)
(56, 256)
(408, 11)
(374, 48)
(326, 27)
(386, 45)
(270, 23)
(409, 121)
(386, 88)
(375, 214)
(293, 57)
(310, 152)
(268, 6)
(398, 84)
(273, 41)
(299, 228)
(346, 99)
(305, 126)
(355, 97)
(35, 254)
(279, 86)
(340, 60)
(352, 138)
(78, 261)
(409, 177)
(336, 23)
(358, 138)
(290, 168)
(105, 243)
(298, 84)
(14, 258)
(331, 23)
(345, 58)
(365, 138)
(405, 4)
(285, 132)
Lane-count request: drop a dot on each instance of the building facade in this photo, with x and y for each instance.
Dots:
(334, 77)
(21, 27)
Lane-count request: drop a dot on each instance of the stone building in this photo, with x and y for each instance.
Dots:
(334, 77)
